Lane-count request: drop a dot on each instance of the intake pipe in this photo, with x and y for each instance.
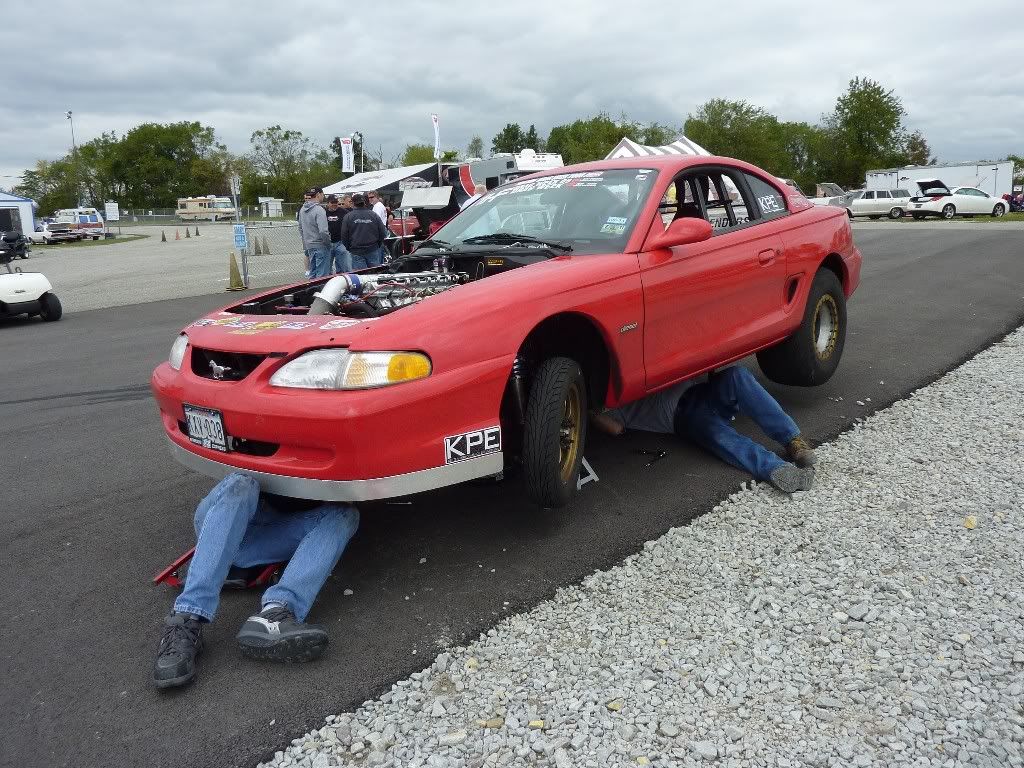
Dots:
(325, 301)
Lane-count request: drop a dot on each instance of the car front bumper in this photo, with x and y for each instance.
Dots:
(340, 446)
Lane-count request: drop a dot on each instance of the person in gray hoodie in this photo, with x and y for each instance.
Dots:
(316, 237)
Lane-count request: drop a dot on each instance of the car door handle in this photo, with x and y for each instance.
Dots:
(767, 256)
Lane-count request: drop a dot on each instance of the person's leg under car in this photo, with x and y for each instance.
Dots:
(314, 541)
(736, 389)
(221, 521)
(698, 419)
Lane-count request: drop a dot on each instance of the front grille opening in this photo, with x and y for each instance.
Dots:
(231, 366)
(241, 445)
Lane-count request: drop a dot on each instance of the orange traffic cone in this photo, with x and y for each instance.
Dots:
(187, 235)
(177, 234)
(197, 231)
(234, 276)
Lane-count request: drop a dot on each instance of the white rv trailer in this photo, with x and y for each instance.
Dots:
(995, 178)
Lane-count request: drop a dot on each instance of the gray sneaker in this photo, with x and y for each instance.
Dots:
(790, 479)
(273, 634)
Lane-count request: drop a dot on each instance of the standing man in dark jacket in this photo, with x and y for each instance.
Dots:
(340, 258)
(363, 233)
(316, 238)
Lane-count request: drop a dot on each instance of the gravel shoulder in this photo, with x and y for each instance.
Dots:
(875, 620)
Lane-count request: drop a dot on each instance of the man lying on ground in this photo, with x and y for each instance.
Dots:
(237, 528)
(702, 412)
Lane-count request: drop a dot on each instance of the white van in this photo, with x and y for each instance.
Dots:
(210, 208)
(88, 222)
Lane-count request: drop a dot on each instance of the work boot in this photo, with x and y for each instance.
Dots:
(273, 634)
(800, 452)
(180, 643)
(790, 479)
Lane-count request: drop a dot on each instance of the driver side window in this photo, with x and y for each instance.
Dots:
(709, 194)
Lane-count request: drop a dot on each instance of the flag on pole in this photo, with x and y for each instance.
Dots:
(437, 137)
(348, 162)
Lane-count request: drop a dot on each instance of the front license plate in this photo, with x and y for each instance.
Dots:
(206, 427)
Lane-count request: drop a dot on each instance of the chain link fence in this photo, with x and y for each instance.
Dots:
(274, 256)
(168, 216)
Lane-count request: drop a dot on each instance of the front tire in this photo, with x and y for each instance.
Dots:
(896, 213)
(810, 356)
(948, 211)
(999, 210)
(50, 308)
(555, 432)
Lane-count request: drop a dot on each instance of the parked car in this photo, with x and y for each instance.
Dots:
(876, 203)
(52, 232)
(936, 199)
(486, 347)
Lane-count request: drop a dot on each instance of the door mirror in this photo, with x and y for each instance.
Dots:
(681, 232)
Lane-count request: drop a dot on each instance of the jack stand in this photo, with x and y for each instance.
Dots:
(265, 574)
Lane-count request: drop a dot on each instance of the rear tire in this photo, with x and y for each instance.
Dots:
(811, 355)
(896, 213)
(50, 308)
(948, 211)
(555, 432)
(999, 210)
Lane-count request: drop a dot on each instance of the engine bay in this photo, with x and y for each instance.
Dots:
(374, 293)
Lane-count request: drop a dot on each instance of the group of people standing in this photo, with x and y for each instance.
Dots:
(349, 234)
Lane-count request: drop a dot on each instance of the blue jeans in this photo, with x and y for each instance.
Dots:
(371, 259)
(705, 411)
(319, 262)
(235, 525)
(342, 259)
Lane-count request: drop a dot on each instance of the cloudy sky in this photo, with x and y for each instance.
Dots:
(330, 68)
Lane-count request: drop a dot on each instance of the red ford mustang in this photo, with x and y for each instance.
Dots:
(587, 286)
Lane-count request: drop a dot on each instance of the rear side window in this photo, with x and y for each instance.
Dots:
(770, 202)
(883, 195)
(900, 193)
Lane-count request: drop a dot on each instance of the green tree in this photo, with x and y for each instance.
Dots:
(865, 131)
(1018, 168)
(740, 129)
(290, 162)
(917, 151)
(532, 140)
(594, 137)
(417, 154)
(511, 138)
(475, 148)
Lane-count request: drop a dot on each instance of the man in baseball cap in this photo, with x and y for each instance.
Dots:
(316, 237)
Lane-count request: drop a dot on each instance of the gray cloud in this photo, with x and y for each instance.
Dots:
(332, 68)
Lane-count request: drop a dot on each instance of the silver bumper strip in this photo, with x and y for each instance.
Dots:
(349, 490)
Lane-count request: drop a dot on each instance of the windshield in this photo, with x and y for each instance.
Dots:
(588, 211)
(222, 204)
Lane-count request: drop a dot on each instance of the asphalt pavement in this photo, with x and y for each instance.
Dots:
(92, 507)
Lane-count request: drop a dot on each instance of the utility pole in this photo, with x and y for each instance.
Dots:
(74, 157)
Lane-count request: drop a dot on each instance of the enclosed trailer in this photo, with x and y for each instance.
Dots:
(995, 178)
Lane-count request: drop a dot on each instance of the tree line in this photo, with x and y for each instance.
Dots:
(153, 164)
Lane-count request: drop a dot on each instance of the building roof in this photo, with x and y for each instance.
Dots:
(7, 197)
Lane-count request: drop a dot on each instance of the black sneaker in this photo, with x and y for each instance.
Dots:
(273, 634)
(180, 643)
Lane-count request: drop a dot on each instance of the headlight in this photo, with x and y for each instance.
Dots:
(341, 369)
(178, 352)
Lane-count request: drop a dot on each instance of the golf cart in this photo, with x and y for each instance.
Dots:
(24, 293)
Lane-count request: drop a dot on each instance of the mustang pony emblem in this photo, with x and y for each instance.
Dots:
(219, 370)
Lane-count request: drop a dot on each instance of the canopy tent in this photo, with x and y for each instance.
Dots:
(16, 214)
(387, 180)
(681, 146)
